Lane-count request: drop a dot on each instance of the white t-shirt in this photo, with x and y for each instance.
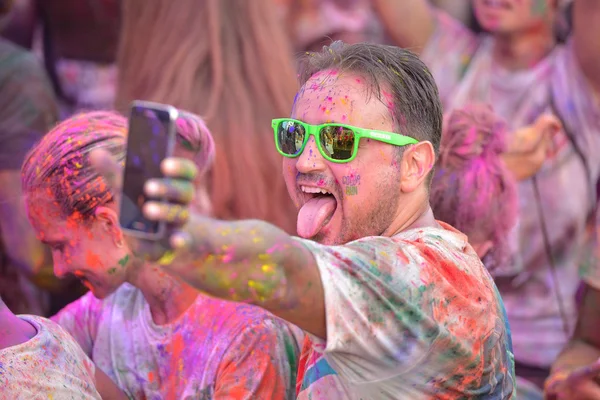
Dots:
(416, 316)
(50, 366)
(461, 63)
(216, 349)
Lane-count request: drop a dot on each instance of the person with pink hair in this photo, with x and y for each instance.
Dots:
(472, 189)
(153, 335)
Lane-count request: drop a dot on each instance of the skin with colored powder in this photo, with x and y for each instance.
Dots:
(384, 265)
(146, 329)
(351, 182)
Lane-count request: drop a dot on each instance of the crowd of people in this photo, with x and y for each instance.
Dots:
(368, 199)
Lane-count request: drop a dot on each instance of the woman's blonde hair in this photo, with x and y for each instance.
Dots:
(229, 61)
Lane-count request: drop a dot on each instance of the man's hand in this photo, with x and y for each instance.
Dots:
(249, 261)
(176, 191)
(578, 384)
(530, 146)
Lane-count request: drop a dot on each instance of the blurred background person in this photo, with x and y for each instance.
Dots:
(472, 189)
(77, 41)
(312, 24)
(230, 62)
(520, 66)
(27, 111)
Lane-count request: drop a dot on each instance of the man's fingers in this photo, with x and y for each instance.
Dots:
(179, 168)
(108, 167)
(173, 214)
(172, 190)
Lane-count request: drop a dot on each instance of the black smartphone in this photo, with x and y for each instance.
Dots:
(150, 139)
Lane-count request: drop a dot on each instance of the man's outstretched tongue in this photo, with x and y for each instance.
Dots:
(314, 214)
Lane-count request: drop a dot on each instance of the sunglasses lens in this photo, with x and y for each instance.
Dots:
(290, 137)
(337, 142)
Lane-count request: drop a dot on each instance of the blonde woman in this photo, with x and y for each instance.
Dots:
(229, 61)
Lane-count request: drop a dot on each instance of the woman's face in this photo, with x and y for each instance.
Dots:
(513, 16)
(313, 24)
(93, 250)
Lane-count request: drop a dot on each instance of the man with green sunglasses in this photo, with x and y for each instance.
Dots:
(395, 304)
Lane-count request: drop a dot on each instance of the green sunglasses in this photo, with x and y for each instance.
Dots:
(338, 143)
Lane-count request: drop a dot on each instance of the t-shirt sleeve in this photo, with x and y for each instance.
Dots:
(28, 107)
(393, 307)
(80, 320)
(448, 52)
(261, 363)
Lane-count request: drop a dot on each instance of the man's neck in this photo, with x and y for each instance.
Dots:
(524, 49)
(167, 296)
(414, 213)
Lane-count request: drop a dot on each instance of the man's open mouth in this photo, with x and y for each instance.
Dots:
(318, 209)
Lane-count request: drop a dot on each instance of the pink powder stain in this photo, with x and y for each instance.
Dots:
(321, 182)
(389, 99)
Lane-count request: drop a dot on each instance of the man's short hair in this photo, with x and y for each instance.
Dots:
(416, 109)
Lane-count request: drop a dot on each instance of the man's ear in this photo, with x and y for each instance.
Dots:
(108, 220)
(417, 162)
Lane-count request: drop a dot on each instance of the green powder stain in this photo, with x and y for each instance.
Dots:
(186, 144)
(112, 271)
(123, 261)
(538, 7)
(290, 350)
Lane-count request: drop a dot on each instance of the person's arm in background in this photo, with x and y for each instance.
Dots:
(444, 44)
(573, 372)
(107, 388)
(409, 23)
(586, 36)
(530, 146)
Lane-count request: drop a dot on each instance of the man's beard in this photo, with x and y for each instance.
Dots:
(375, 222)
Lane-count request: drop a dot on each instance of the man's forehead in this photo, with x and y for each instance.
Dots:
(330, 87)
(341, 97)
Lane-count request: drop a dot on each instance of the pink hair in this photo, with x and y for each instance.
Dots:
(472, 189)
(59, 163)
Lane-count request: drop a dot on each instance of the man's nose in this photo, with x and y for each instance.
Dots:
(311, 159)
